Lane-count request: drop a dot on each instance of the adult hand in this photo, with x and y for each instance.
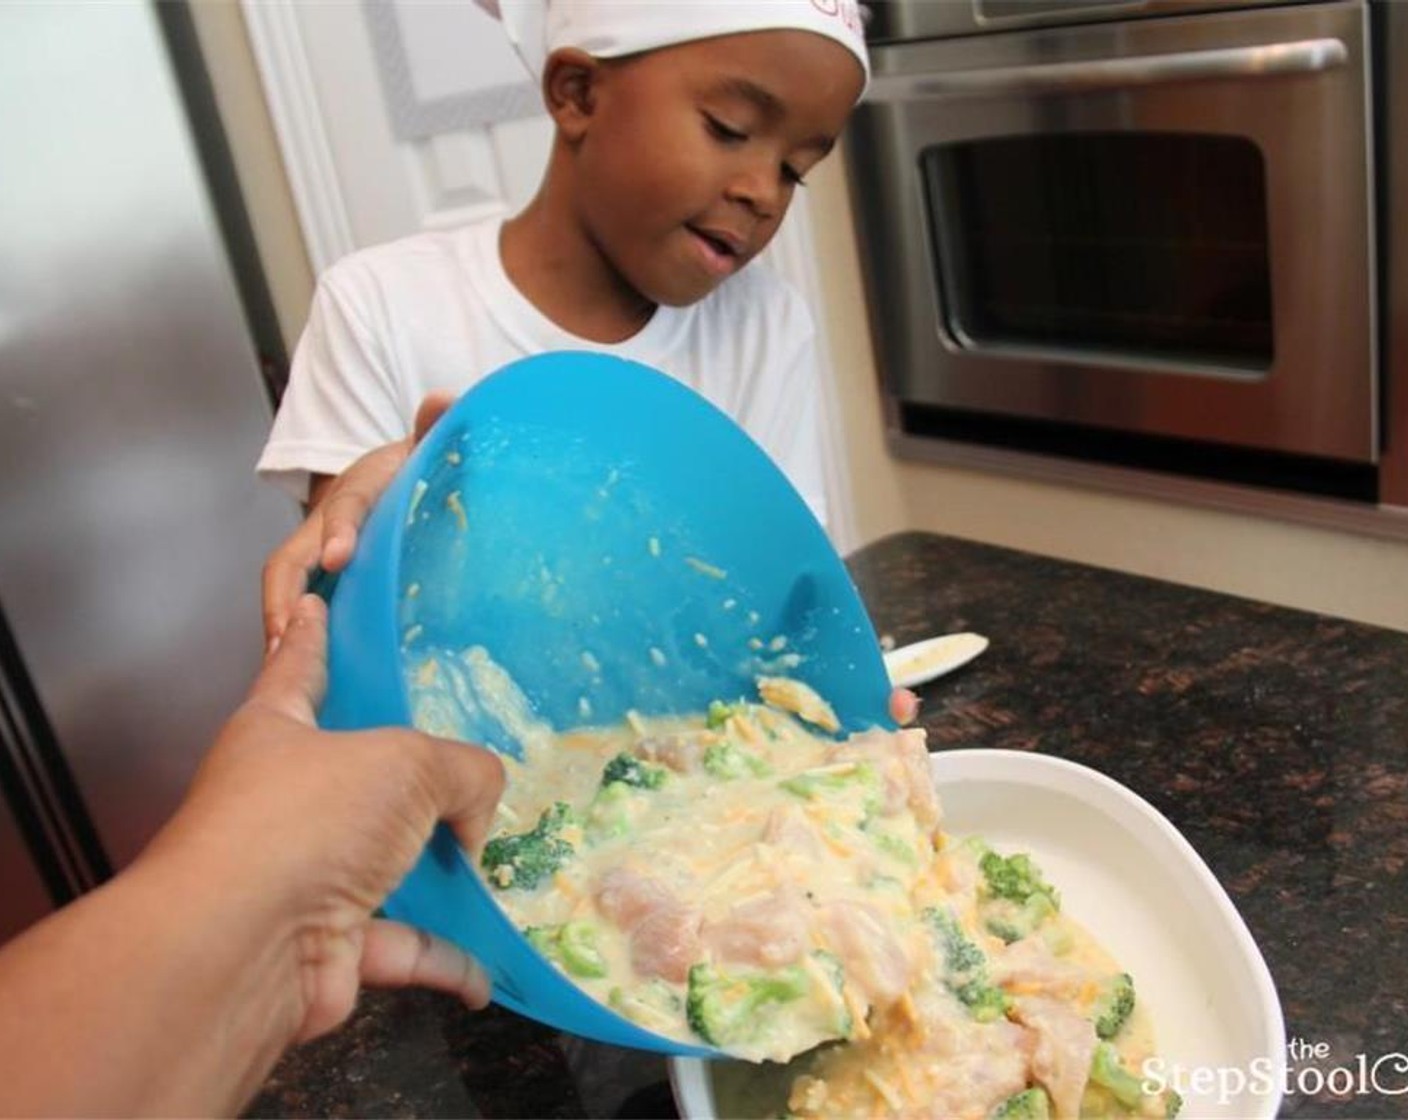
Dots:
(328, 536)
(904, 706)
(246, 925)
(322, 826)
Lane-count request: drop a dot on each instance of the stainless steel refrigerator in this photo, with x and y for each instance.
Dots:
(136, 364)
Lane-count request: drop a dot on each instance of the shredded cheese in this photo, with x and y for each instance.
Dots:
(704, 568)
(455, 506)
(885, 1089)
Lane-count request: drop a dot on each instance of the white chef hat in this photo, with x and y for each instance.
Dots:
(612, 28)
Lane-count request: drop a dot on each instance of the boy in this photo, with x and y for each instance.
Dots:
(683, 128)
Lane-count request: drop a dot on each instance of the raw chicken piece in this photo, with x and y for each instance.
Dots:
(770, 931)
(928, 1062)
(625, 896)
(982, 1069)
(872, 956)
(663, 932)
(911, 749)
(957, 869)
(1030, 968)
(666, 943)
(902, 760)
(683, 754)
(1065, 1044)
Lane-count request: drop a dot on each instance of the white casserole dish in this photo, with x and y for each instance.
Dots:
(1128, 876)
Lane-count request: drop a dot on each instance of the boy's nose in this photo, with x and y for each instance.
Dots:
(758, 186)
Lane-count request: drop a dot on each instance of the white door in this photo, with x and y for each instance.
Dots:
(401, 115)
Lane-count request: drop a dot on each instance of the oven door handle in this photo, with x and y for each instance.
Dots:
(1308, 56)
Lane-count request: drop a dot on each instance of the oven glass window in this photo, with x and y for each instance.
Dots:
(1134, 246)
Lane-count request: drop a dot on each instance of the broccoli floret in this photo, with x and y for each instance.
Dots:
(726, 760)
(1013, 921)
(719, 712)
(985, 1002)
(735, 1010)
(966, 969)
(1015, 877)
(962, 958)
(723, 1009)
(1115, 1005)
(572, 945)
(526, 859)
(631, 771)
(1173, 1103)
(611, 811)
(1030, 1104)
(1019, 899)
(1107, 1071)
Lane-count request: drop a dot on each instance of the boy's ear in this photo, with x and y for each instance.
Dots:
(570, 79)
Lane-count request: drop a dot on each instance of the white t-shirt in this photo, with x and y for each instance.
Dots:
(437, 311)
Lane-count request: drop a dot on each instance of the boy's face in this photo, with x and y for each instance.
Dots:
(691, 154)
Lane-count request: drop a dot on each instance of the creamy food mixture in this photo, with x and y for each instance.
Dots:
(1018, 1014)
(743, 880)
(733, 879)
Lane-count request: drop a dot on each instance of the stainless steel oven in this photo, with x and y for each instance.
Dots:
(1151, 218)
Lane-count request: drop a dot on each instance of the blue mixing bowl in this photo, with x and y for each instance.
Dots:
(615, 543)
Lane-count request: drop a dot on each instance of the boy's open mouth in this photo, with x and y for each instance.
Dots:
(722, 250)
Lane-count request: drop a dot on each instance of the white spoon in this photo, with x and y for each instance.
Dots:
(918, 662)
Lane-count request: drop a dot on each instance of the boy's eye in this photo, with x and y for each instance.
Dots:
(792, 175)
(723, 131)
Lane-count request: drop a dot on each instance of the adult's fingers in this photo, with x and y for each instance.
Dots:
(351, 498)
(396, 956)
(904, 706)
(431, 409)
(285, 576)
(295, 675)
(356, 490)
(467, 782)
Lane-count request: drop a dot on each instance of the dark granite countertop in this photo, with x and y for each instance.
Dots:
(1275, 740)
